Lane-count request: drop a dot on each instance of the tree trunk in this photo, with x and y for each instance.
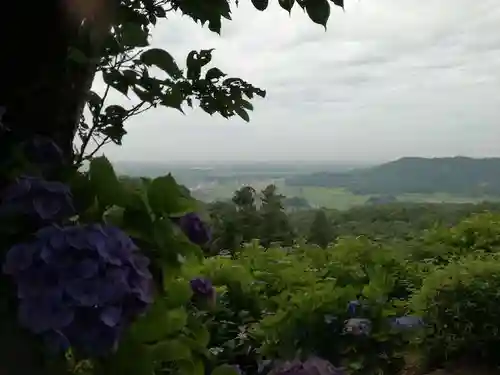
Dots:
(42, 90)
(43, 93)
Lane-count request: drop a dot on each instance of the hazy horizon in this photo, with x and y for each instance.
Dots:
(387, 80)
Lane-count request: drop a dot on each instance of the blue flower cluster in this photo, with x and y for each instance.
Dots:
(362, 327)
(37, 198)
(312, 366)
(194, 228)
(405, 323)
(203, 291)
(80, 285)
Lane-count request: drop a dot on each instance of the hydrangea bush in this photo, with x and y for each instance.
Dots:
(95, 265)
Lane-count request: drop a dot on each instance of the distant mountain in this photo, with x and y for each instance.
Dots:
(455, 175)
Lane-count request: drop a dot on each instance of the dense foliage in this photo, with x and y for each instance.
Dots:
(459, 176)
(104, 277)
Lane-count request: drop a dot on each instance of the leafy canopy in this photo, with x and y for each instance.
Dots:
(127, 60)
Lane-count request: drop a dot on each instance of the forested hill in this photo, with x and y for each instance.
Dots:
(454, 175)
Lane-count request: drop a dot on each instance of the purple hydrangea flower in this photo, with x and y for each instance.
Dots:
(35, 197)
(203, 290)
(80, 285)
(312, 366)
(406, 323)
(194, 228)
(358, 326)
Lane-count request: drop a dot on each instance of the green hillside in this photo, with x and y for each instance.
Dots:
(461, 176)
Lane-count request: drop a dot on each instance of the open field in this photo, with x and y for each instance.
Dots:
(326, 197)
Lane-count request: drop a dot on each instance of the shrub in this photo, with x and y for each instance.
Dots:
(461, 301)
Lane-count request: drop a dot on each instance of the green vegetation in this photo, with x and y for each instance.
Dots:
(441, 268)
(119, 276)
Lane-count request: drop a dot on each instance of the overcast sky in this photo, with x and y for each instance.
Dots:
(389, 78)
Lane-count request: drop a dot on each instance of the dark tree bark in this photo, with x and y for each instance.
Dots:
(42, 90)
(43, 93)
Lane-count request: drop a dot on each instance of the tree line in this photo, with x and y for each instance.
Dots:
(251, 215)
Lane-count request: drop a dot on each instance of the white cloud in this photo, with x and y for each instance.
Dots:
(388, 79)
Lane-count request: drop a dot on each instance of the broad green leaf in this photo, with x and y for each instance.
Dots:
(201, 334)
(318, 11)
(163, 60)
(178, 292)
(260, 4)
(165, 196)
(133, 35)
(104, 182)
(83, 194)
(114, 216)
(137, 222)
(171, 350)
(192, 367)
(131, 358)
(242, 113)
(173, 99)
(246, 104)
(287, 4)
(225, 370)
(339, 3)
(115, 79)
(159, 322)
(214, 74)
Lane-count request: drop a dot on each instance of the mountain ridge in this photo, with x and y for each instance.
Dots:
(458, 175)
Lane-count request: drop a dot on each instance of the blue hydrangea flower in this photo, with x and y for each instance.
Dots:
(312, 366)
(404, 323)
(80, 285)
(358, 326)
(35, 197)
(194, 228)
(203, 291)
(352, 307)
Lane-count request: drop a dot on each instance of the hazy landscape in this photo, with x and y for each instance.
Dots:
(339, 185)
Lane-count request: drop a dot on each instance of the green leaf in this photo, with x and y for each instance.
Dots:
(201, 334)
(287, 4)
(225, 370)
(178, 292)
(116, 80)
(133, 35)
(318, 11)
(114, 216)
(163, 60)
(83, 194)
(246, 104)
(159, 322)
(260, 4)
(171, 350)
(137, 220)
(131, 358)
(173, 99)
(104, 182)
(214, 74)
(192, 367)
(165, 196)
(242, 113)
(339, 3)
